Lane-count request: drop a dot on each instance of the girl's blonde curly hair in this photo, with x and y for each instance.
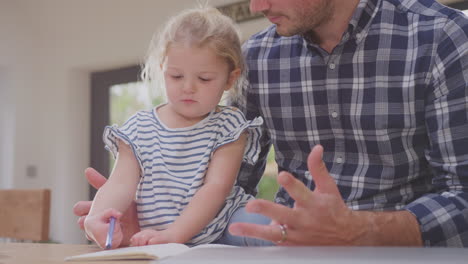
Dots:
(203, 27)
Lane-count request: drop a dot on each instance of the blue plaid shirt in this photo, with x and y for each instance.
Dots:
(389, 105)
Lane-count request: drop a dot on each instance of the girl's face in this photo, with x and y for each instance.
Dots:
(195, 79)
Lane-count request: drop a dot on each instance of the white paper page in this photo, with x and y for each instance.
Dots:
(144, 252)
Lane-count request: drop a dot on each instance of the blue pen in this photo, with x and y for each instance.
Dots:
(110, 233)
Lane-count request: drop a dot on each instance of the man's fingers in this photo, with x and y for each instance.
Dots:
(276, 212)
(295, 188)
(82, 208)
(95, 178)
(80, 221)
(324, 183)
(266, 232)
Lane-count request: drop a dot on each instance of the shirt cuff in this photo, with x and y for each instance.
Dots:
(443, 219)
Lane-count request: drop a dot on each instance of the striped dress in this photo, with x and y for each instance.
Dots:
(174, 162)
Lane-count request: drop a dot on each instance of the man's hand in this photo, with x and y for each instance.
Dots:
(321, 217)
(128, 221)
(81, 208)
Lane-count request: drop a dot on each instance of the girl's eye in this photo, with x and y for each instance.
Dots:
(176, 77)
(204, 79)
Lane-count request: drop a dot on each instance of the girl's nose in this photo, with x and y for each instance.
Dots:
(257, 6)
(188, 87)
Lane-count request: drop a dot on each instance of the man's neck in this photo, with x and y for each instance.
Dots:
(329, 34)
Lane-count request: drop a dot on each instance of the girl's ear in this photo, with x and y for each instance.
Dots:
(233, 76)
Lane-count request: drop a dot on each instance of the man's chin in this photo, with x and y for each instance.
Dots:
(284, 33)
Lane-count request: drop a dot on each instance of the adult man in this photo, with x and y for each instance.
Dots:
(381, 85)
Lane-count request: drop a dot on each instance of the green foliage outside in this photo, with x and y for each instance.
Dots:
(126, 100)
(267, 188)
(268, 185)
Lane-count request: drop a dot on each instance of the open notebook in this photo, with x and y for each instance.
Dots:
(143, 252)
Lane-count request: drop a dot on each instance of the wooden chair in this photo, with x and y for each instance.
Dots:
(25, 214)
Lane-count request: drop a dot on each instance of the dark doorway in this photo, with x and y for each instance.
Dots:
(101, 83)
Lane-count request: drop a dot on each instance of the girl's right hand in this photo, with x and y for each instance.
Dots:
(96, 227)
(152, 237)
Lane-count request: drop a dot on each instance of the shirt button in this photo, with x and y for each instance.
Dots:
(332, 66)
(334, 114)
(358, 36)
(339, 160)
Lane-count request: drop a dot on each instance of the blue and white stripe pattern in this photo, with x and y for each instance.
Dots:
(174, 162)
(389, 105)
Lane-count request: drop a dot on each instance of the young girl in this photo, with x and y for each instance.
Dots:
(180, 160)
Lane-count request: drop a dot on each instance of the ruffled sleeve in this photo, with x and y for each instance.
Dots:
(127, 133)
(234, 124)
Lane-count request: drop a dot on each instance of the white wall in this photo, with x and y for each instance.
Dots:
(6, 131)
(13, 40)
(48, 49)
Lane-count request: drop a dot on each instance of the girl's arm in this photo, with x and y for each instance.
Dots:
(207, 201)
(117, 193)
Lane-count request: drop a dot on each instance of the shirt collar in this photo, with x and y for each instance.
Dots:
(358, 24)
(362, 17)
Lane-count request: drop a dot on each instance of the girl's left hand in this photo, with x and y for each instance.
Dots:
(151, 237)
